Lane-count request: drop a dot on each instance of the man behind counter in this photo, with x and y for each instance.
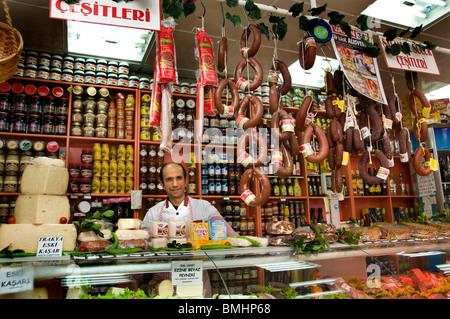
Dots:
(178, 206)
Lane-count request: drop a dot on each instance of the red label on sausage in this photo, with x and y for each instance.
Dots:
(206, 59)
(166, 55)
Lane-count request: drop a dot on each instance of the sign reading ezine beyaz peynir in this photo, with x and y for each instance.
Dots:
(134, 14)
(419, 60)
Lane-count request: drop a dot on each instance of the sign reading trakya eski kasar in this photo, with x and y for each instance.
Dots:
(419, 60)
(134, 14)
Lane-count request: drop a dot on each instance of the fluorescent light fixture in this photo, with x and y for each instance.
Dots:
(106, 40)
(442, 93)
(313, 77)
(408, 12)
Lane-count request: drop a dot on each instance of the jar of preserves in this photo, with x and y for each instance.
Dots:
(10, 184)
(49, 107)
(113, 67)
(90, 65)
(74, 170)
(78, 76)
(80, 64)
(74, 184)
(44, 60)
(4, 122)
(102, 106)
(100, 132)
(43, 73)
(89, 77)
(67, 75)
(112, 79)
(62, 106)
(48, 124)
(12, 162)
(55, 74)
(86, 170)
(30, 71)
(89, 118)
(61, 125)
(85, 185)
(87, 156)
(20, 71)
(123, 80)
(34, 124)
(124, 68)
(56, 61)
(20, 105)
(25, 160)
(68, 63)
(35, 106)
(76, 130)
(20, 123)
(90, 105)
(133, 82)
(144, 84)
(100, 78)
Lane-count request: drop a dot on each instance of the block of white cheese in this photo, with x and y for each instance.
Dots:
(127, 234)
(92, 236)
(26, 236)
(186, 291)
(41, 209)
(177, 228)
(129, 223)
(158, 242)
(159, 229)
(44, 179)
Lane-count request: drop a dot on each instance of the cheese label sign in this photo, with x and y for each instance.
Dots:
(16, 278)
(49, 246)
(187, 272)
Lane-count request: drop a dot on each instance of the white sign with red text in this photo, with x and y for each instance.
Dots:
(134, 14)
(418, 60)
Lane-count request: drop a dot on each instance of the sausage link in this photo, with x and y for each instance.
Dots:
(287, 80)
(234, 98)
(302, 113)
(323, 143)
(243, 84)
(307, 53)
(253, 49)
(243, 142)
(256, 117)
(329, 83)
(221, 55)
(339, 181)
(339, 154)
(284, 170)
(422, 171)
(403, 140)
(245, 190)
(362, 166)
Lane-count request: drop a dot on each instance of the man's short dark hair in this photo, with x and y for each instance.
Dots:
(164, 165)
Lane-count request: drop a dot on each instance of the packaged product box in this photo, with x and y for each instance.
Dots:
(199, 234)
(217, 229)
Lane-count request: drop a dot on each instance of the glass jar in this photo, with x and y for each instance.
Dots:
(77, 116)
(133, 82)
(35, 106)
(88, 130)
(44, 60)
(61, 125)
(89, 118)
(102, 66)
(20, 123)
(100, 132)
(78, 76)
(86, 170)
(80, 64)
(124, 68)
(43, 73)
(56, 62)
(10, 183)
(74, 185)
(74, 170)
(90, 105)
(87, 155)
(123, 80)
(90, 65)
(30, 71)
(144, 84)
(62, 106)
(76, 129)
(20, 71)
(34, 124)
(89, 77)
(48, 107)
(100, 78)
(85, 185)
(55, 74)
(25, 160)
(112, 79)
(68, 63)
(113, 67)
(67, 75)
(101, 119)
(12, 162)
(48, 124)
(4, 102)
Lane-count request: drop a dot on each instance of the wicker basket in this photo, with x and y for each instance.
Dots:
(11, 45)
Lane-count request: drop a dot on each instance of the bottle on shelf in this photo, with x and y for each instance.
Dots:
(297, 188)
(368, 189)
(392, 185)
(320, 216)
(402, 185)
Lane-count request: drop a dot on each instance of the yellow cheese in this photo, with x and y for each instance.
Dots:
(129, 223)
(41, 209)
(26, 236)
(92, 236)
(44, 179)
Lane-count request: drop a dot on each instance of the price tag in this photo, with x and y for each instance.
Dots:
(365, 132)
(287, 125)
(16, 278)
(434, 164)
(404, 157)
(245, 159)
(277, 157)
(344, 158)
(136, 199)
(387, 123)
(306, 149)
(187, 272)
(383, 173)
(248, 196)
(49, 246)
(399, 116)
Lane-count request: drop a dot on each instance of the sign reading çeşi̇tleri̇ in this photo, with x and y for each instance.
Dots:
(134, 14)
(419, 60)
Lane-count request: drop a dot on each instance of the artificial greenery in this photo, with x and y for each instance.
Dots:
(319, 244)
(89, 223)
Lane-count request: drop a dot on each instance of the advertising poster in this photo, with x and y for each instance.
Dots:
(360, 69)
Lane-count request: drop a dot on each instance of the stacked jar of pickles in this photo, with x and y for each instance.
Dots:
(112, 169)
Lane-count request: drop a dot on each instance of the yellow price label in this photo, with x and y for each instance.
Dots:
(426, 111)
(345, 158)
(434, 164)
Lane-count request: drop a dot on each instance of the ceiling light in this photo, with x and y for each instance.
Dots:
(315, 76)
(121, 43)
(442, 93)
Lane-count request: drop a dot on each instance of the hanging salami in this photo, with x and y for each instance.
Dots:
(166, 55)
(206, 59)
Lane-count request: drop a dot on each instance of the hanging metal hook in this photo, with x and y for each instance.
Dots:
(204, 10)
(223, 15)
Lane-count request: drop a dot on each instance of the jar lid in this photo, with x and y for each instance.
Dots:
(69, 58)
(68, 71)
(74, 164)
(134, 77)
(86, 150)
(85, 180)
(124, 76)
(44, 55)
(56, 70)
(90, 73)
(101, 74)
(91, 91)
(12, 144)
(84, 206)
(58, 57)
(25, 145)
(31, 66)
(43, 90)
(57, 91)
(38, 146)
(77, 90)
(104, 92)
(112, 75)
(79, 72)
(112, 63)
(17, 87)
(144, 80)
(5, 87)
(30, 89)
(52, 146)
(86, 165)
(90, 61)
(80, 60)
(101, 61)
(44, 68)
(32, 53)
(123, 64)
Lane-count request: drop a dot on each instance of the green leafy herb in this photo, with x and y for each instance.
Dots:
(302, 22)
(362, 22)
(252, 9)
(235, 19)
(320, 243)
(89, 223)
(289, 293)
(346, 28)
(347, 238)
(279, 26)
(232, 3)
(296, 9)
(335, 17)
(390, 34)
(263, 29)
(317, 11)
(416, 31)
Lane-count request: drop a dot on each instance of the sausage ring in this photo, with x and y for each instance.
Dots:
(422, 171)
(373, 180)
(307, 53)
(422, 98)
(338, 155)
(244, 84)
(370, 114)
(222, 55)
(411, 80)
(246, 193)
(227, 111)
(285, 168)
(253, 49)
(329, 83)
(395, 105)
(323, 143)
(284, 134)
(287, 80)
(422, 126)
(403, 140)
(302, 113)
(292, 145)
(244, 122)
(245, 158)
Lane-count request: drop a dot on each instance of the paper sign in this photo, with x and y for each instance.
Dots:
(418, 60)
(16, 278)
(134, 14)
(186, 272)
(49, 246)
